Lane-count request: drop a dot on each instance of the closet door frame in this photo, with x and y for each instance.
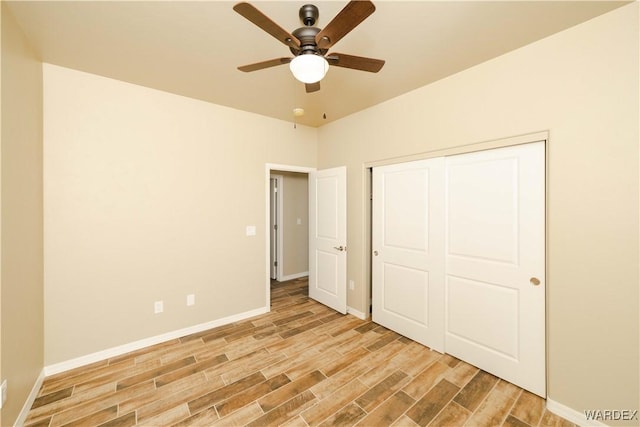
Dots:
(463, 149)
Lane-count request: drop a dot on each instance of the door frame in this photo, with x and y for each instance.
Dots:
(269, 169)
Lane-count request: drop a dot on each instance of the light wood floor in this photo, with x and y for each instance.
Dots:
(301, 364)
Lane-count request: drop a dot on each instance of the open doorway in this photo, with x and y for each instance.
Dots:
(287, 218)
(289, 225)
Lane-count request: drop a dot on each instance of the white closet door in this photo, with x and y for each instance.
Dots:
(328, 237)
(408, 250)
(495, 267)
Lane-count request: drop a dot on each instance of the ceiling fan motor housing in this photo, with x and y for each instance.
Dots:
(307, 37)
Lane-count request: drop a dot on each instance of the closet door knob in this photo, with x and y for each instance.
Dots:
(534, 281)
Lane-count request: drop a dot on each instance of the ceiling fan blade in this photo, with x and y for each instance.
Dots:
(263, 21)
(264, 64)
(346, 20)
(312, 87)
(355, 62)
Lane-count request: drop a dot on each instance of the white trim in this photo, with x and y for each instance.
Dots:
(288, 168)
(268, 167)
(463, 149)
(146, 342)
(571, 414)
(279, 220)
(22, 416)
(293, 276)
(367, 209)
(360, 315)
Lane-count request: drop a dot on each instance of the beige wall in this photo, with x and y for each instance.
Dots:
(582, 86)
(295, 236)
(137, 206)
(21, 243)
(147, 197)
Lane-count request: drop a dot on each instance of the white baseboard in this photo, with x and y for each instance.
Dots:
(22, 416)
(360, 315)
(572, 415)
(293, 276)
(146, 342)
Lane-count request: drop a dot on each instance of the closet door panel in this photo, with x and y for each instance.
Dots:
(408, 250)
(495, 292)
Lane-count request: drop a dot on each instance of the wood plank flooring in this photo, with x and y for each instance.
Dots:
(302, 364)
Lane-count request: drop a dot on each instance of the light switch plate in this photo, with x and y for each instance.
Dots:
(251, 230)
(158, 307)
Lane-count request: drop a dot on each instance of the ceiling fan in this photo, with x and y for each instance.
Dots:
(310, 44)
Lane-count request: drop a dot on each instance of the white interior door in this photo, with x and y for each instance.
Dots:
(328, 237)
(408, 250)
(273, 222)
(495, 268)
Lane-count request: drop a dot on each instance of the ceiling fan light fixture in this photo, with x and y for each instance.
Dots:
(309, 68)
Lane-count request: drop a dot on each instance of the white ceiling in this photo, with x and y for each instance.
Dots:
(192, 48)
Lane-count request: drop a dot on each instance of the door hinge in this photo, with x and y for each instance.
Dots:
(275, 263)
(275, 227)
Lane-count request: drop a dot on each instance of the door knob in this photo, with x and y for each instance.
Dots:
(534, 281)
(375, 253)
(340, 248)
